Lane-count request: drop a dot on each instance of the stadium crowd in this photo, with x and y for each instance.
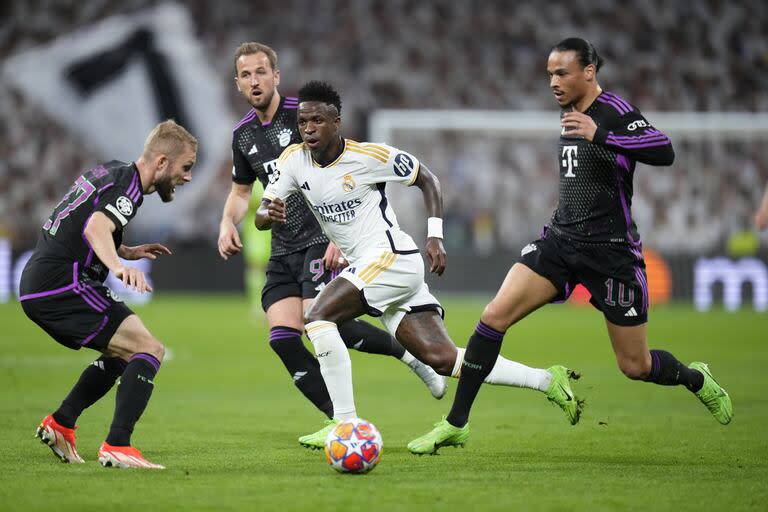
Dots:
(662, 56)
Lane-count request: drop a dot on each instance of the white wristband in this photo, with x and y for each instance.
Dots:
(434, 227)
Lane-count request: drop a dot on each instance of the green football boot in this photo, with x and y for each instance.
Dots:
(713, 395)
(560, 392)
(316, 440)
(444, 434)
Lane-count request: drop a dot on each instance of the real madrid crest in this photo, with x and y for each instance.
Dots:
(348, 185)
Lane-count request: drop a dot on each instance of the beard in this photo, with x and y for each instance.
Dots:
(165, 189)
(262, 102)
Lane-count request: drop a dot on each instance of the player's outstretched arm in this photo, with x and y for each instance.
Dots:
(149, 251)
(235, 209)
(98, 232)
(433, 200)
(269, 212)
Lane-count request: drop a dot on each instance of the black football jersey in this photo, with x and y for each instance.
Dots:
(114, 189)
(595, 191)
(255, 150)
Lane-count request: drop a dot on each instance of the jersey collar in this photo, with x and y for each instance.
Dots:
(343, 150)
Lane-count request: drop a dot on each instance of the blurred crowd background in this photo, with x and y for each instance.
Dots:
(700, 56)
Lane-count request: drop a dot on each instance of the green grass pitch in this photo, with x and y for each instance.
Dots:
(225, 416)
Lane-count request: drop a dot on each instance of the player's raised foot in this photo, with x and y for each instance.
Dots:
(316, 440)
(434, 381)
(444, 434)
(560, 392)
(124, 457)
(713, 395)
(61, 440)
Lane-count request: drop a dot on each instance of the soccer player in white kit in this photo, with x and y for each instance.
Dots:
(343, 183)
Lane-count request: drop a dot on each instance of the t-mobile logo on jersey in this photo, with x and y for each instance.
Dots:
(569, 160)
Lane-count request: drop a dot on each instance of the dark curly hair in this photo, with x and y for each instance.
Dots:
(322, 92)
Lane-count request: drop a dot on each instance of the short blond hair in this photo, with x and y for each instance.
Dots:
(168, 138)
(252, 48)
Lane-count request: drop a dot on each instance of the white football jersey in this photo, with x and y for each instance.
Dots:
(347, 196)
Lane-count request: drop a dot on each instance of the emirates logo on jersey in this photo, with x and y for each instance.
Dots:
(348, 185)
(284, 138)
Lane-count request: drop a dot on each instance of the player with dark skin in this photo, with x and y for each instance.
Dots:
(302, 261)
(385, 277)
(423, 334)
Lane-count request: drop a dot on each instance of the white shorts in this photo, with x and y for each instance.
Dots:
(391, 285)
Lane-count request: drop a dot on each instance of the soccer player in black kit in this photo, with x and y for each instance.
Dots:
(301, 262)
(591, 240)
(62, 290)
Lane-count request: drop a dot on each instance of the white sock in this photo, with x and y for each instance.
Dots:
(407, 358)
(335, 366)
(511, 373)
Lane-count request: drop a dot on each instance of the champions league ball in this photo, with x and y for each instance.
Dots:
(353, 446)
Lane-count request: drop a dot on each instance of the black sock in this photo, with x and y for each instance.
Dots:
(95, 382)
(480, 357)
(136, 385)
(668, 371)
(362, 336)
(302, 366)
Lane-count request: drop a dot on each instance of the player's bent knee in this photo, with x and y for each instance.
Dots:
(495, 317)
(634, 369)
(151, 346)
(441, 361)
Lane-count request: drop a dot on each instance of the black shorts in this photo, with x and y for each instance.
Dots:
(299, 274)
(614, 274)
(85, 314)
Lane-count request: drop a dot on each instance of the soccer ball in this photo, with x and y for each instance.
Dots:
(353, 446)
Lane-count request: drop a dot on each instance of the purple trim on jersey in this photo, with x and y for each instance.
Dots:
(53, 292)
(96, 332)
(638, 142)
(488, 332)
(618, 99)
(134, 190)
(247, 119)
(85, 224)
(623, 164)
(105, 187)
(266, 124)
(148, 358)
(636, 138)
(619, 108)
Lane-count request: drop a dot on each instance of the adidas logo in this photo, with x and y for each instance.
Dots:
(253, 150)
(305, 186)
(631, 312)
(298, 375)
